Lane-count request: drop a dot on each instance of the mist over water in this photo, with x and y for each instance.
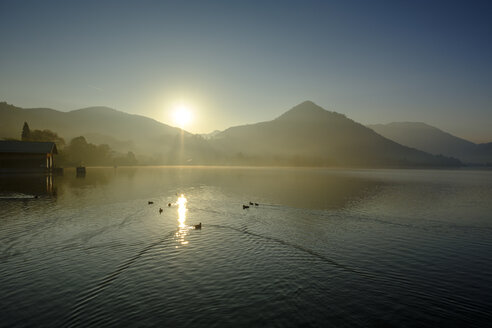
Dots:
(323, 247)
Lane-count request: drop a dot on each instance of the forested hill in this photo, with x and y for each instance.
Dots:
(100, 125)
(435, 141)
(306, 135)
(310, 135)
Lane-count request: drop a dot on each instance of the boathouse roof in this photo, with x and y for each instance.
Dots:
(28, 147)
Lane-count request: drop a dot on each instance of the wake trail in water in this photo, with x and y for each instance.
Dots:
(434, 226)
(298, 247)
(92, 293)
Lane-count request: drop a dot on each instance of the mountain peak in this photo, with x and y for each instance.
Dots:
(306, 111)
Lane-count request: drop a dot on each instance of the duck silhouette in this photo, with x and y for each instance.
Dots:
(245, 207)
(198, 226)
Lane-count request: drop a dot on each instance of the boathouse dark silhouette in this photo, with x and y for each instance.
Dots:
(18, 156)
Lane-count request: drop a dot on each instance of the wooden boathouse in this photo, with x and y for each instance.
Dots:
(23, 156)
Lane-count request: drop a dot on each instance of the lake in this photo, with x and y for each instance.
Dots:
(323, 247)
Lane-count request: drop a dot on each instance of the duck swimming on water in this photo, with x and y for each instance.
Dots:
(198, 226)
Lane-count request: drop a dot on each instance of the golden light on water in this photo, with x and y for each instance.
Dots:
(182, 210)
(182, 227)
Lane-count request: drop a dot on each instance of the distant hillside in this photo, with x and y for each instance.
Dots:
(435, 141)
(306, 135)
(309, 135)
(121, 131)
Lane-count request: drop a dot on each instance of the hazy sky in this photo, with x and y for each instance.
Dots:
(235, 62)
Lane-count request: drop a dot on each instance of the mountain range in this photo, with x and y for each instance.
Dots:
(100, 125)
(310, 135)
(435, 141)
(306, 135)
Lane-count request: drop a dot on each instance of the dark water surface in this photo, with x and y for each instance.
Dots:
(342, 248)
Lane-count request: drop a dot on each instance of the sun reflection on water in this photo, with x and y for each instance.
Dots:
(182, 227)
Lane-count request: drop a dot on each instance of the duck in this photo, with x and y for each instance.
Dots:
(150, 202)
(198, 226)
(250, 203)
(245, 207)
(256, 204)
(168, 204)
(160, 210)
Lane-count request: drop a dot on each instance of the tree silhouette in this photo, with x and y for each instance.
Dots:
(46, 135)
(26, 132)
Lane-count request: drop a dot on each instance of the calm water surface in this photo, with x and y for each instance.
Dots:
(324, 247)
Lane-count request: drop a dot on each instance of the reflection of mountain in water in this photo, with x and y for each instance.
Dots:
(26, 185)
(301, 188)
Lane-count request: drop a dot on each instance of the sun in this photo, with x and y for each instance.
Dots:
(182, 116)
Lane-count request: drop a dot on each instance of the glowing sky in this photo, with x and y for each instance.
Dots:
(236, 62)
